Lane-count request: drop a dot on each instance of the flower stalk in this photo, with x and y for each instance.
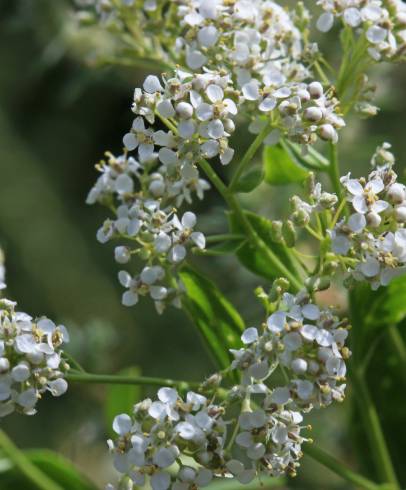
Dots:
(83, 377)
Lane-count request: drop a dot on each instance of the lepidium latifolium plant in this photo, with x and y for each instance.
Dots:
(216, 66)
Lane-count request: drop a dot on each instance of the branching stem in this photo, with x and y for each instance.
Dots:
(82, 377)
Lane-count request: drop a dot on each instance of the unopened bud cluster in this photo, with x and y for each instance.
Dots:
(30, 360)
(302, 213)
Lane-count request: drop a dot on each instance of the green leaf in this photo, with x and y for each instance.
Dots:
(385, 306)
(216, 318)
(252, 258)
(227, 247)
(313, 160)
(281, 167)
(373, 311)
(55, 466)
(121, 398)
(249, 181)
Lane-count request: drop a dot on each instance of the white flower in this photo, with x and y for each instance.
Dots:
(374, 232)
(30, 360)
(158, 432)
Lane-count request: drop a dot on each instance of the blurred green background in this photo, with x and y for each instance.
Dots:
(58, 114)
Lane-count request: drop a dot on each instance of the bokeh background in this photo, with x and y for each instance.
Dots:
(59, 111)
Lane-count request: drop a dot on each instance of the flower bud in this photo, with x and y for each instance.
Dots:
(303, 95)
(299, 366)
(279, 286)
(289, 233)
(313, 114)
(330, 267)
(122, 254)
(316, 90)
(328, 200)
(328, 133)
(185, 110)
(400, 214)
(373, 219)
(4, 364)
(229, 125)
(310, 183)
(383, 156)
(300, 218)
(396, 193)
(276, 231)
(364, 109)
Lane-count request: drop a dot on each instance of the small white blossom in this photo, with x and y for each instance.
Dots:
(382, 22)
(30, 360)
(373, 236)
(158, 432)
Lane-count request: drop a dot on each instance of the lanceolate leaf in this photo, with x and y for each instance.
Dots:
(385, 306)
(313, 160)
(252, 258)
(216, 318)
(250, 181)
(55, 466)
(227, 247)
(281, 167)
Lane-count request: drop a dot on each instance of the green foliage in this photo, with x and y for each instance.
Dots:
(55, 466)
(312, 159)
(249, 181)
(386, 306)
(121, 398)
(254, 259)
(281, 167)
(226, 247)
(216, 318)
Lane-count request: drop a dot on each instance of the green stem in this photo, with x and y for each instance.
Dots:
(24, 465)
(249, 155)
(373, 429)
(334, 171)
(324, 78)
(80, 377)
(252, 236)
(338, 468)
(225, 237)
(398, 346)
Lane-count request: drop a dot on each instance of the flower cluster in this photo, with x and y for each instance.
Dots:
(256, 40)
(30, 360)
(270, 438)
(142, 197)
(308, 343)
(202, 106)
(372, 240)
(152, 441)
(301, 111)
(381, 22)
(115, 14)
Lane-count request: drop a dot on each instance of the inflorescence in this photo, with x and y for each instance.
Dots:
(31, 360)
(228, 61)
